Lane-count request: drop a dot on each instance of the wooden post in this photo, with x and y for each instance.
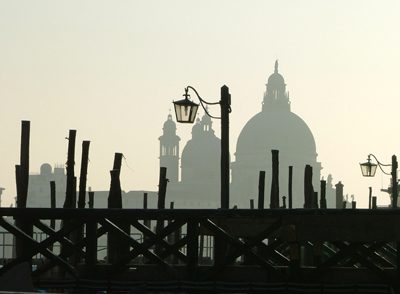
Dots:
(79, 234)
(394, 182)
(162, 189)
(315, 200)
(370, 198)
(18, 182)
(294, 254)
(192, 247)
(170, 237)
(146, 222)
(52, 195)
(52, 205)
(91, 199)
(91, 249)
(374, 206)
(22, 179)
(308, 188)
(323, 195)
(118, 161)
(69, 195)
(261, 190)
(22, 196)
(225, 104)
(115, 196)
(274, 202)
(117, 246)
(290, 187)
(339, 195)
(113, 239)
(53, 202)
(83, 175)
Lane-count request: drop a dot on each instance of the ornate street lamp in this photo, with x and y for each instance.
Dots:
(186, 110)
(368, 169)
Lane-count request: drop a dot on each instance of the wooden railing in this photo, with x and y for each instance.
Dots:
(251, 249)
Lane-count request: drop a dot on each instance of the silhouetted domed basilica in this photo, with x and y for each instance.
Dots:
(275, 127)
(199, 185)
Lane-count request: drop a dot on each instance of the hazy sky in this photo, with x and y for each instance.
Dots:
(110, 70)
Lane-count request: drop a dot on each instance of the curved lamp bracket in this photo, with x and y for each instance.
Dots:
(380, 164)
(202, 102)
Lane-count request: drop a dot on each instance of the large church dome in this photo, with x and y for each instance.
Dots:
(280, 130)
(276, 127)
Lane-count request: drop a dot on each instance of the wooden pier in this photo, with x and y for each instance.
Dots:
(252, 250)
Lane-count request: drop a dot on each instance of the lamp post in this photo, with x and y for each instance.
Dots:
(368, 169)
(186, 110)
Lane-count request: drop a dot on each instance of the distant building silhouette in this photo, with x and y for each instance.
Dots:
(199, 185)
(39, 191)
(39, 186)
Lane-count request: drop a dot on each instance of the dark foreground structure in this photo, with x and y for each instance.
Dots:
(240, 251)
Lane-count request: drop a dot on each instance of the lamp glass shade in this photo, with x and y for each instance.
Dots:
(185, 110)
(368, 169)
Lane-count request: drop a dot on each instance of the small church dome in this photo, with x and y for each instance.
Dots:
(169, 126)
(45, 169)
(276, 78)
(201, 155)
(204, 151)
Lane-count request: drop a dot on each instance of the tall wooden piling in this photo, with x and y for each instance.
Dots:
(53, 202)
(91, 199)
(162, 189)
(323, 204)
(308, 188)
(23, 182)
(261, 190)
(117, 245)
(290, 187)
(274, 202)
(370, 198)
(78, 237)
(339, 195)
(22, 179)
(71, 184)
(83, 174)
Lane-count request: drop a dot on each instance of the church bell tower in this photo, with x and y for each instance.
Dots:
(169, 150)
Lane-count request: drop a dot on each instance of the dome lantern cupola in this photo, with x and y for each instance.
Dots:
(276, 97)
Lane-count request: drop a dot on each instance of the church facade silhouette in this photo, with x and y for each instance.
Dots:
(275, 127)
